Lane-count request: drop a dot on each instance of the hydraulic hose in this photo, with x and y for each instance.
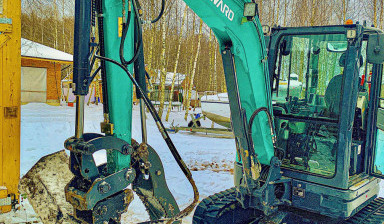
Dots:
(124, 35)
(253, 116)
(161, 12)
(166, 138)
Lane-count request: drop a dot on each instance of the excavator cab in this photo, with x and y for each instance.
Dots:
(307, 109)
(328, 122)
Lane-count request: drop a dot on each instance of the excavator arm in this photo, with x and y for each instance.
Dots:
(238, 30)
(99, 194)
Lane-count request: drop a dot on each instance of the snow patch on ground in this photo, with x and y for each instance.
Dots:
(44, 129)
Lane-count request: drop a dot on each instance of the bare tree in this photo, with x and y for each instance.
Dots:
(176, 63)
(194, 70)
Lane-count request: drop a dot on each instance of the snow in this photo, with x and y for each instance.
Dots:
(221, 97)
(36, 50)
(44, 129)
(179, 78)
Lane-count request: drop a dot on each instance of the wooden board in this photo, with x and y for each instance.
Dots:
(10, 65)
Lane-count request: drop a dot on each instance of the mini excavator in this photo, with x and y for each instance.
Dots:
(307, 112)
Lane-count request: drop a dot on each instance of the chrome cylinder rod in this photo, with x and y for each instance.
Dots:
(79, 126)
(143, 117)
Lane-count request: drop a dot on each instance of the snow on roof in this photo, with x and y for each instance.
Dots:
(36, 50)
(168, 80)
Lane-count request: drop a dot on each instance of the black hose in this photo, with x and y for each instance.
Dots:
(94, 75)
(161, 12)
(166, 138)
(254, 114)
(124, 35)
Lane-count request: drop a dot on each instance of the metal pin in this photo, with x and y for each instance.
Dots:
(79, 126)
(143, 122)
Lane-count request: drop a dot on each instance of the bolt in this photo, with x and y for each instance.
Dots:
(127, 149)
(104, 187)
(104, 209)
(129, 175)
(224, 52)
(158, 172)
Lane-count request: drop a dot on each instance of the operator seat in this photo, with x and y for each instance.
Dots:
(333, 96)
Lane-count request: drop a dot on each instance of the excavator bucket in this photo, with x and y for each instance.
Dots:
(44, 186)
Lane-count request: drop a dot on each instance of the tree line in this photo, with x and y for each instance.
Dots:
(195, 50)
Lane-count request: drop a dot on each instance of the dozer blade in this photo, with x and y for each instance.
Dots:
(44, 185)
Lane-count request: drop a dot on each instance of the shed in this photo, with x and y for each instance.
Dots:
(179, 80)
(41, 72)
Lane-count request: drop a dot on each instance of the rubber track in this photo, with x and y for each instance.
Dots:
(373, 213)
(223, 208)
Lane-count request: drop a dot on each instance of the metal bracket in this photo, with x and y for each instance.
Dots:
(10, 112)
(106, 128)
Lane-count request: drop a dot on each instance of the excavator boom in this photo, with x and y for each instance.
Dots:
(119, 48)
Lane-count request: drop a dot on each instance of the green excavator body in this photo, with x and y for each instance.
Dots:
(233, 31)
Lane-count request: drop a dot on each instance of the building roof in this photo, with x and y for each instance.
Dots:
(168, 80)
(36, 50)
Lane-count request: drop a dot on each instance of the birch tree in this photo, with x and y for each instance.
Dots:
(215, 69)
(210, 83)
(190, 64)
(193, 71)
(163, 73)
(176, 62)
